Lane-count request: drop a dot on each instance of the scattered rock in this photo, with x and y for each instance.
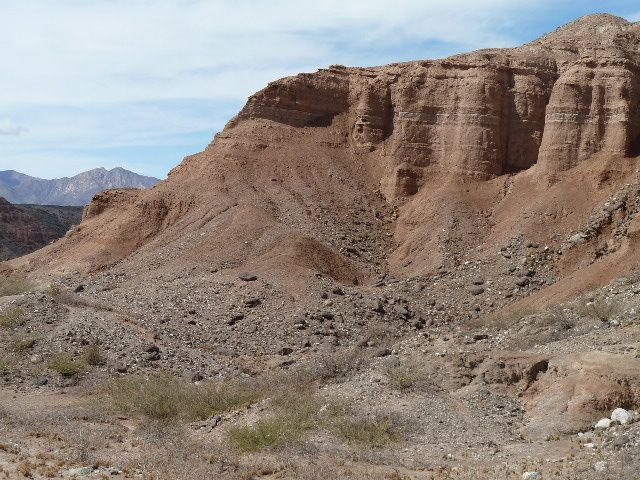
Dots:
(252, 302)
(285, 351)
(531, 476)
(36, 359)
(476, 290)
(247, 277)
(151, 348)
(621, 416)
(39, 381)
(235, 318)
(402, 311)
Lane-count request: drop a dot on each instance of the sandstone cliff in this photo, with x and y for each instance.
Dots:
(555, 101)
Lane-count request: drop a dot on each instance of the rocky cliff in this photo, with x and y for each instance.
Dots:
(25, 228)
(555, 102)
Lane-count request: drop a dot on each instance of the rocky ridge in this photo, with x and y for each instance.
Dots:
(74, 191)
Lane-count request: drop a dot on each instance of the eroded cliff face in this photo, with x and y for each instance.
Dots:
(397, 168)
(554, 102)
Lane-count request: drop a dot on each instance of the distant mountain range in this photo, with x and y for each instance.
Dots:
(25, 228)
(78, 190)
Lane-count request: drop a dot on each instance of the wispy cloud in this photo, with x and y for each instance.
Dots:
(9, 127)
(125, 74)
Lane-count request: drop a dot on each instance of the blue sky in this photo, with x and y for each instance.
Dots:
(142, 83)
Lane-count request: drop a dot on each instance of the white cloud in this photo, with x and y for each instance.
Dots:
(80, 52)
(9, 127)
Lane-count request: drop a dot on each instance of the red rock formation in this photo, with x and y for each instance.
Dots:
(556, 101)
(319, 159)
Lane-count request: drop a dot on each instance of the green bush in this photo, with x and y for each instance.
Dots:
(65, 365)
(13, 317)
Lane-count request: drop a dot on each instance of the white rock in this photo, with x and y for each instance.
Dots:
(603, 423)
(35, 359)
(621, 416)
(531, 476)
(600, 466)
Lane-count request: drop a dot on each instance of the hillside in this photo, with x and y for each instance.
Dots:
(425, 270)
(73, 191)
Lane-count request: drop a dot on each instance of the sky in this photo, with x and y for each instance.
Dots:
(143, 83)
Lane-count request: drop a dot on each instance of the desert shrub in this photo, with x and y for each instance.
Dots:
(502, 319)
(21, 345)
(267, 433)
(600, 308)
(405, 376)
(294, 415)
(92, 356)
(14, 286)
(163, 397)
(5, 366)
(367, 430)
(14, 317)
(336, 366)
(65, 365)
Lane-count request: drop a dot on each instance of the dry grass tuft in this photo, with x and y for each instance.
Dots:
(21, 345)
(295, 414)
(93, 356)
(406, 375)
(15, 286)
(65, 365)
(370, 430)
(166, 398)
(14, 317)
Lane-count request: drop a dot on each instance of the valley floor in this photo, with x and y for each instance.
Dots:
(367, 382)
